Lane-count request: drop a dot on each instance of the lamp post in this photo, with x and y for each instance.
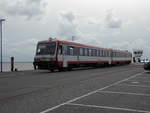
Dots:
(73, 38)
(1, 20)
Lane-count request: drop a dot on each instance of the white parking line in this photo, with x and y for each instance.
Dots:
(90, 93)
(147, 76)
(124, 93)
(133, 85)
(106, 107)
(138, 81)
(109, 72)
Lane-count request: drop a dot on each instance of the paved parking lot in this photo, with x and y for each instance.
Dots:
(120, 89)
(130, 95)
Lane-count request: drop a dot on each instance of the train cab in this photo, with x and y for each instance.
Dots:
(45, 57)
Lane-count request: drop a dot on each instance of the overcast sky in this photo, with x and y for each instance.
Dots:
(120, 24)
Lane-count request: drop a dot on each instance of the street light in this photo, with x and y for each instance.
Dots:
(1, 20)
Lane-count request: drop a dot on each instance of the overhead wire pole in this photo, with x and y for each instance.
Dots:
(1, 20)
(72, 38)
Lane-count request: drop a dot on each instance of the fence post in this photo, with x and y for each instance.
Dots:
(12, 63)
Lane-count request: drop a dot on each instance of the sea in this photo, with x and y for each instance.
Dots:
(20, 66)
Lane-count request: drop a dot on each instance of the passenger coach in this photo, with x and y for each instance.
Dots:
(58, 54)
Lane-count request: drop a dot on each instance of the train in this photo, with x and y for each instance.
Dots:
(54, 54)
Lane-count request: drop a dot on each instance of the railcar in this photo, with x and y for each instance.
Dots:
(59, 54)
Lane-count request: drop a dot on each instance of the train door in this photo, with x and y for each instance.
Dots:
(111, 57)
(72, 55)
(77, 55)
(64, 55)
(60, 53)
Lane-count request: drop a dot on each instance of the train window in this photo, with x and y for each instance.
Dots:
(86, 52)
(106, 53)
(81, 51)
(120, 54)
(109, 54)
(75, 51)
(90, 52)
(113, 54)
(101, 53)
(60, 49)
(116, 54)
(64, 49)
(70, 50)
(98, 53)
(95, 52)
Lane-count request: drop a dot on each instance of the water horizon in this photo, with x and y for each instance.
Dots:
(20, 66)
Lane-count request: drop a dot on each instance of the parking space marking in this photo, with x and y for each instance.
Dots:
(97, 73)
(134, 82)
(137, 81)
(132, 85)
(124, 93)
(106, 107)
(147, 76)
(90, 93)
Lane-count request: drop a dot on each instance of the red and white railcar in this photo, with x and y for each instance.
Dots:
(58, 54)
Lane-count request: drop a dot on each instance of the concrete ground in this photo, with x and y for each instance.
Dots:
(122, 89)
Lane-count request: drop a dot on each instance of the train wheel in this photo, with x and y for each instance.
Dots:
(52, 70)
(69, 68)
(60, 69)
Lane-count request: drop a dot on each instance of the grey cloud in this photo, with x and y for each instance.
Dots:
(112, 20)
(21, 50)
(27, 8)
(68, 26)
(131, 45)
(70, 16)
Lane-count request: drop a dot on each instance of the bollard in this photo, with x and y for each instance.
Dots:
(12, 63)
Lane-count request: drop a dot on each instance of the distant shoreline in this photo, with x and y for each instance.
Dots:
(18, 65)
(19, 62)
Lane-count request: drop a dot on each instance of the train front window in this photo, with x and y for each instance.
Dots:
(46, 48)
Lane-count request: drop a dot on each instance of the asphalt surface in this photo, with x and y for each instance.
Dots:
(120, 89)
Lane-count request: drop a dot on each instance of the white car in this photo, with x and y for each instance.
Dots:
(145, 61)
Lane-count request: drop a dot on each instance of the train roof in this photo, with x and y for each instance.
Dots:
(83, 45)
